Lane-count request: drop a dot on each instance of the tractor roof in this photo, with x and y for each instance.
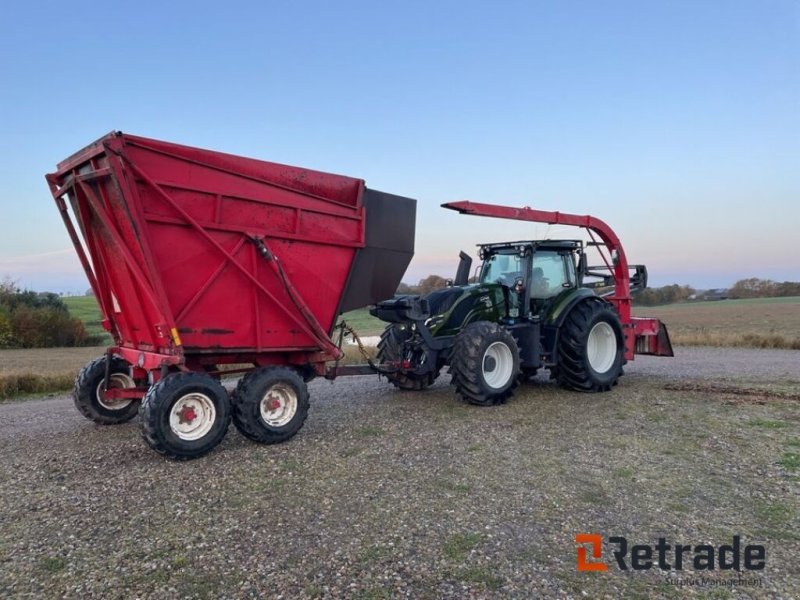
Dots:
(535, 244)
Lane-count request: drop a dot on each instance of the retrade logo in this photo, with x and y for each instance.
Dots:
(595, 542)
(642, 557)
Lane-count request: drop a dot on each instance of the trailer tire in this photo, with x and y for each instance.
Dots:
(485, 364)
(390, 349)
(270, 404)
(87, 393)
(590, 348)
(185, 415)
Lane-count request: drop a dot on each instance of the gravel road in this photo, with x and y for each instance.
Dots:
(390, 494)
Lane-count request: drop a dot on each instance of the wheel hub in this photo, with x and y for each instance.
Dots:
(273, 403)
(489, 364)
(186, 415)
(279, 405)
(116, 381)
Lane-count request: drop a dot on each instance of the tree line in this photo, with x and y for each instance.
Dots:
(668, 294)
(763, 288)
(37, 320)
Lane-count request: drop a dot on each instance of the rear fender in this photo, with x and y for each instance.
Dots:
(555, 316)
(558, 311)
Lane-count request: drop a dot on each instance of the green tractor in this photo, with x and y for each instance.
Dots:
(531, 307)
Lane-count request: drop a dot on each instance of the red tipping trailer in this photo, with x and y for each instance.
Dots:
(198, 259)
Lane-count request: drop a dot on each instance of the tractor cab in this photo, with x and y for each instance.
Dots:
(535, 273)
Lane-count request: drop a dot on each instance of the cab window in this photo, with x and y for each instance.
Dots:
(503, 268)
(552, 273)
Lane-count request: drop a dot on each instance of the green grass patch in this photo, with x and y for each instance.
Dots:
(481, 575)
(457, 546)
(624, 472)
(53, 564)
(775, 513)
(87, 310)
(452, 486)
(363, 322)
(373, 554)
(766, 423)
(790, 461)
(368, 431)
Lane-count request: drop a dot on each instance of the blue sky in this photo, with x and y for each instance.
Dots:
(676, 122)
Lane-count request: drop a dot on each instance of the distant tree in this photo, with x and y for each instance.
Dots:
(89, 292)
(754, 288)
(667, 294)
(431, 283)
(31, 319)
(404, 288)
(788, 288)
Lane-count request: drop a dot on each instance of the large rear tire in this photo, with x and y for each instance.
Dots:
(485, 364)
(185, 415)
(590, 348)
(88, 392)
(270, 404)
(391, 348)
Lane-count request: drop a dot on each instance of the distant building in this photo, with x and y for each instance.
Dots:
(717, 294)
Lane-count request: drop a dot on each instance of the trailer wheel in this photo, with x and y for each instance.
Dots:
(590, 348)
(88, 392)
(390, 349)
(270, 404)
(485, 364)
(185, 415)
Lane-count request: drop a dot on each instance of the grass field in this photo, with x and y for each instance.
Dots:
(759, 323)
(85, 308)
(756, 323)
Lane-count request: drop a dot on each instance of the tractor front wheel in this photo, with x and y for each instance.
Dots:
(89, 387)
(485, 364)
(270, 404)
(185, 415)
(590, 348)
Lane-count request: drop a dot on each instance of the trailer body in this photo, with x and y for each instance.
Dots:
(199, 258)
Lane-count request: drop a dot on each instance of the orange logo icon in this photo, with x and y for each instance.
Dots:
(596, 542)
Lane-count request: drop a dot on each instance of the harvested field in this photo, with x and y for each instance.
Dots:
(392, 494)
(757, 323)
(42, 370)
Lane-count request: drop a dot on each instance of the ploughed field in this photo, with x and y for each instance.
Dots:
(387, 494)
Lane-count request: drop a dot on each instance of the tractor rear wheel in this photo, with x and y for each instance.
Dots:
(185, 415)
(88, 392)
(485, 364)
(270, 404)
(590, 348)
(391, 349)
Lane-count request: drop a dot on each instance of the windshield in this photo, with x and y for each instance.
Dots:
(502, 268)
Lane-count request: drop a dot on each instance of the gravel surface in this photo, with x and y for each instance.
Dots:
(389, 494)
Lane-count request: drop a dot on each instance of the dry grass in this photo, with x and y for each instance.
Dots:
(42, 370)
(759, 323)
(45, 370)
